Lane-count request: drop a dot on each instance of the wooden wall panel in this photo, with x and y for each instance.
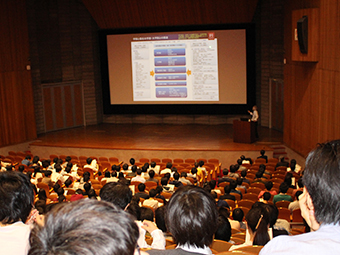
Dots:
(16, 96)
(68, 106)
(48, 109)
(135, 13)
(78, 100)
(312, 92)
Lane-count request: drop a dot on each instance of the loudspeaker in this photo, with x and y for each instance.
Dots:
(302, 32)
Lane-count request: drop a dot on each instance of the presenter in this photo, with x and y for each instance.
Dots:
(255, 117)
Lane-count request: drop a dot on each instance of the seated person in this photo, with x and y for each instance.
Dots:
(152, 202)
(225, 177)
(282, 162)
(233, 186)
(121, 195)
(240, 167)
(47, 179)
(133, 172)
(269, 186)
(246, 160)
(233, 169)
(152, 175)
(68, 228)
(243, 176)
(154, 167)
(192, 219)
(257, 220)
(141, 191)
(227, 194)
(16, 199)
(282, 195)
(295, 204)
(166, 186)
(139, 177)
(237, 221)
(183, 179)
(92, 164)
(262, 152)
(265, 198)
(167, 168)
(239, 182)
(176, 181)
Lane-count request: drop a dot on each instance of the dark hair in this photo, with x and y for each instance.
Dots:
(321, 179)
(225, 171)
(68, 182)
(133, 208)
(233, 169)
(262, 152)
(164, 181)
(244, 173)
(88, 161)
(57, 168)
(151, 173)
(16, 197)
(92, 194)
(223, 231)
(176, 176)
(132, 161)
(268, 185)
(201, 163)
(146, 214)
(134, 168)
(194, 170)
(153, 164)
(107, 174)
(238, 214)
(227, 189)
(116, 193)
(169, 165)
(257, 220)
(87, 187)
(297, 194)
(283, 187)
(42, 195)
(160, 218)
(233, 184)
(184, 174)
(69, 227)
(267, 196)
(152, 193)
(35, 160)
(192, 216)
(139, 171)
(141, 187)
(125, 166)
(239, 181)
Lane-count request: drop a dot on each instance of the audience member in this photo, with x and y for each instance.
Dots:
(227, 194)
(282, 195)
(262, 152)
(176, 180)
(269, 186)
(139, 177)
(151, 201)
(152, 177)
(192, 219)
(141, 191)
(295, 204)
(183, 179)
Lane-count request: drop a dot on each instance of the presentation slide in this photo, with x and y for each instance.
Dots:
(192, 67)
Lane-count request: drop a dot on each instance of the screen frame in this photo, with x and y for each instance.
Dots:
(186, 109)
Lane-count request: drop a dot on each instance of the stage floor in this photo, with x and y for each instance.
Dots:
(157, 137)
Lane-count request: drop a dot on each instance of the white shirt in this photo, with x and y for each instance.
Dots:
(158, 241)
(14, 239)
(254, 115)
(138, 178)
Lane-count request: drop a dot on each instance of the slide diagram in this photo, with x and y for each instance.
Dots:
(175, 70)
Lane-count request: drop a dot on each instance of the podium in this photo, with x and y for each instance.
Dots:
(244, 131)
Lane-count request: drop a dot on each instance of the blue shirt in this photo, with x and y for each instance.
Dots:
(326, 240)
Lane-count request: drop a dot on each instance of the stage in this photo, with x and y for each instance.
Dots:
(161, 141)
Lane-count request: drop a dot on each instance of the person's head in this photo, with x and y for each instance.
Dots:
(176, 176)
(107, 174)
(21, 168)
(266, 196)
(269, 185)
(134, 168)
(146, 214)
(167, 175)
(238, 214)
(139, 171)
(152, 193)
(141, 187)
(233, 184)
(92, 194)
(322, 182)
(16, 197)
(169, 165)
(114, 174)
(164, 181)
(116, 193)
(257, 222)
(262, 152)
(223, 231)
(259, 174)
(239, 181)
(125, 167)
(68, 159)
(227, 189)
(159, 189)
(193, 170)
(132, 161)
(57, 168)
(239, 161)
(282, 159)
(283, 187)
(69, 227)
(288, 180)
(88, 161)
(244, 173)
(68, 169)
(42, 194)
(297, 194)
(242, 157)
(86, 176)
(184, 174)
(153, 164)
(300, 183)
(192, 216)
(35, 160)
(160, 218)
(233, 168)
(225, 171)
(79, 191)
(48, 173)
(9, 168)
(87, 187)
(152, 173)
(28, 157)
(254, 108)
(201, 163)
(60, 192)
(113, 167)
(68, 183)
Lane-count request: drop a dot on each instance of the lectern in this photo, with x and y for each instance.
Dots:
(244, 131)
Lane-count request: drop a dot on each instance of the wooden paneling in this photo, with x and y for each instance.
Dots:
(313, 35)
(16, 99)
(312, 94)
(135, 13)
